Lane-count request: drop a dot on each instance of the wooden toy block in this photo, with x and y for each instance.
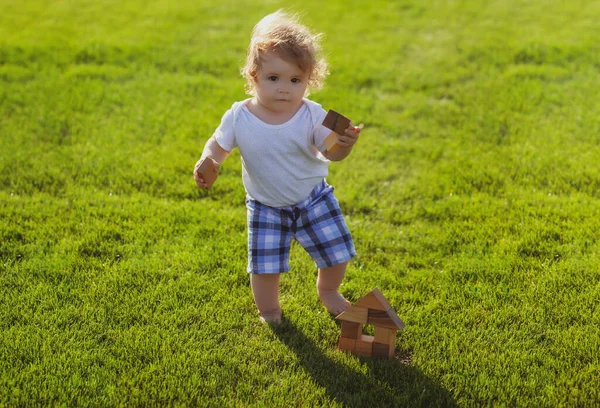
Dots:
(374, 300)
(385, 336)
(207, 171)
(382, 350)
(351, 330)
(364, 346)
(338, 123)
(387, 319)
(355, 314)
(347, 344)
(330, 142)
(371, 309)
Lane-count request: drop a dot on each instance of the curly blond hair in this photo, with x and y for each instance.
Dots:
(281, 33)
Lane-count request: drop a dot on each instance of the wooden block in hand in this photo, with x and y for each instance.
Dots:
(338, 123)
(207, 171)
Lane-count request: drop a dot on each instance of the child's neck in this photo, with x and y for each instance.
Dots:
(269, 116)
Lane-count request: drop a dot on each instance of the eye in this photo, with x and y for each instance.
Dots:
(296, 80)
(272, 78)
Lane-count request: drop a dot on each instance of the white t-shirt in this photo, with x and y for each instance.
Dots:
(281, 164)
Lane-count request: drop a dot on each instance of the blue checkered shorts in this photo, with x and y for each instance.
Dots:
(316, 223)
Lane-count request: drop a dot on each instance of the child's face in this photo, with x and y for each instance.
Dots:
(280, 85)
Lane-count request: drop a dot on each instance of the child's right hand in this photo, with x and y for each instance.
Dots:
(206, 172)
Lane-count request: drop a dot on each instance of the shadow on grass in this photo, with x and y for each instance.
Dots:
(388, 383)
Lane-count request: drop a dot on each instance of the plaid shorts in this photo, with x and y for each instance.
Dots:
(316, 223)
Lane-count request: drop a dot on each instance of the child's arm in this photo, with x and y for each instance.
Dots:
(216, 155)
(344, 144)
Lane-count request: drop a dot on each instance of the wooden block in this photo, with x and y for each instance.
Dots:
(380, 319)
(385, 336)
(347, 344)
(374, 300)
(397, 321)
(330, 142)
(385, 319)
(364, 346)
(351, 330)
(355, 314)
(382, 350)
(207, 171)
(336, 122)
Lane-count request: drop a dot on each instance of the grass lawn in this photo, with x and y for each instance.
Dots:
(473, 198)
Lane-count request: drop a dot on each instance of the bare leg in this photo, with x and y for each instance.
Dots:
(328, 283)
(265, 289)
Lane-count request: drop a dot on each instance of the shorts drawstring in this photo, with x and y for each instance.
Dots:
(294, 212)
(295, 219)
(294, 216)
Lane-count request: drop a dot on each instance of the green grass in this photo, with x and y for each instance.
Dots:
(473, 198)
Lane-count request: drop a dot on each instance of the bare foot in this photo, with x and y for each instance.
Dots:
(334, 301)
(273, 317)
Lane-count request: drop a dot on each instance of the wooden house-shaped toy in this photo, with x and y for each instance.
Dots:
(375, 310)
